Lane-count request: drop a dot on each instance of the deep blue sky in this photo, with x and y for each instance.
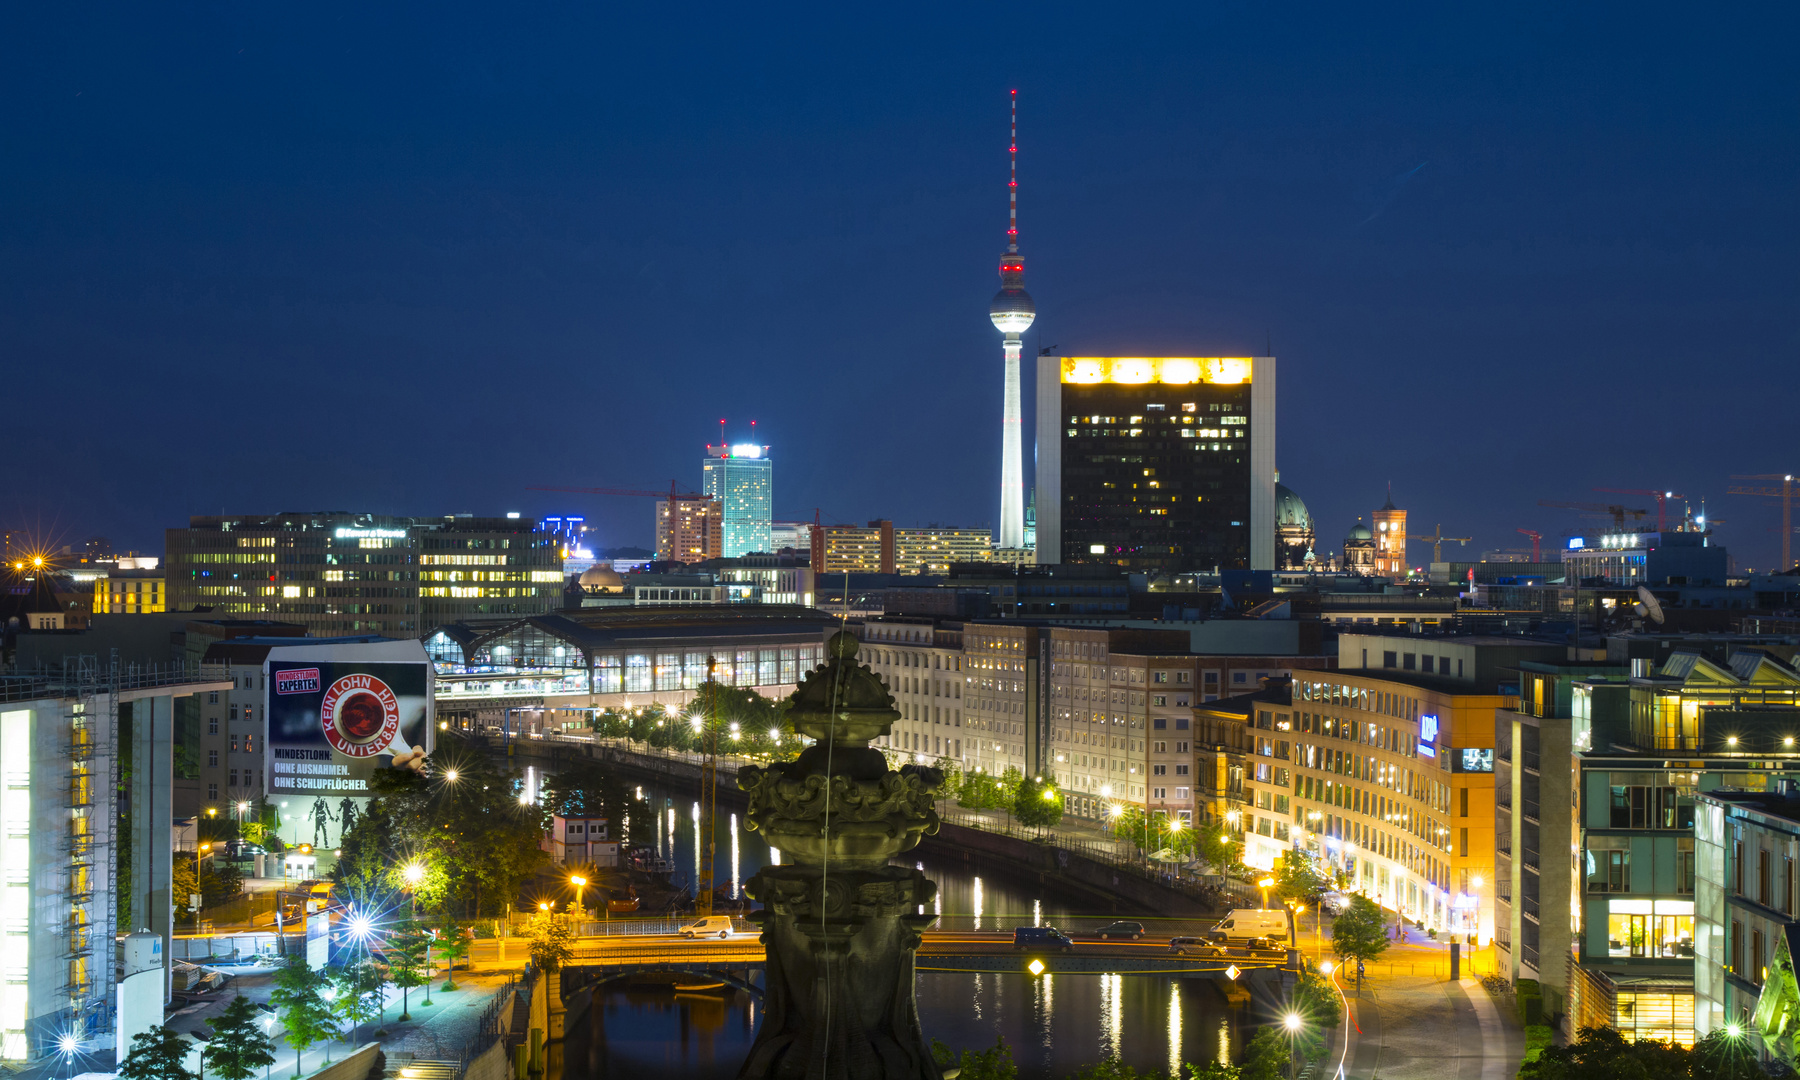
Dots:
(261, 257)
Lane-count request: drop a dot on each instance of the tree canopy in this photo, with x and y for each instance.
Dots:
(1036, 804)
(157, 1054)
(240, 1047)
(1360, 933)
(1601, 1053)
(305, 1018)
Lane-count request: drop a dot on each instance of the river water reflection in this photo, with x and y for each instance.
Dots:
(1054, 1024)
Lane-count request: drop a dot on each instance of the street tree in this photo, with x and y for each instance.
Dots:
(1601, 1053)
(158, 1054)
(1298, 880)
(552, 943)
(1359, 934)
(1724, 1056)
(453, 943)
(407, 947)
(239, 1045)
(1267, 1056)
(1219, 848)
(306, 1019)
(1037, 805)
(995, 1063)
(357, 986)
(1213, 1070)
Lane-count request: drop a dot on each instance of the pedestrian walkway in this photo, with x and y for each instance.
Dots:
(1410, 1022)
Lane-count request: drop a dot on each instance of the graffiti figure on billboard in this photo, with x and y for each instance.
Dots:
(322, 819)
(346, 816)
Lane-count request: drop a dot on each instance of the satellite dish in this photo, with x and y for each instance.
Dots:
(1649, 606)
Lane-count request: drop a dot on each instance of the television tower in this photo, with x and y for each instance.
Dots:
(1012, 312)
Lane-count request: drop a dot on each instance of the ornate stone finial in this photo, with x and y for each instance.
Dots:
(840, 925)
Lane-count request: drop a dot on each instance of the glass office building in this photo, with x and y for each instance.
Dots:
(739, 476)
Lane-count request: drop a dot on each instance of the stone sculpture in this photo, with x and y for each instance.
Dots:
(840, 925)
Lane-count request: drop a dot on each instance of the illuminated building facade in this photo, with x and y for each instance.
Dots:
(1159, 464)
(1390, 540)
(128, 592)
(339, 574)
(689, 530)
(59, 744)
(1294, 537)
(854, 549)
(921, 663)
(1359, 550)
(740, 476)
(932, 550)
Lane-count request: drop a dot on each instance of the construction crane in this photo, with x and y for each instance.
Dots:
(1535, 537)
(1436, 540)
(672, 494)
(709, 790)
(1786, 494)
(1662, 501)
(1616, 512)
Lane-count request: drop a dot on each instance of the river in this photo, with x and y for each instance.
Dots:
(1053, 1024)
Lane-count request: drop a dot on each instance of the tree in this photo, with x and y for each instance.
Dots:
(552, 943)
(1214, 1070)
(305, 1017)
(1266, 1058)
(992, 1064)
(1601, 1053)
(1298, 879)
(1037, 805)
(239, 1045)
(1360, 933)
(157, 1054)
(1219, 848)
(406, 962)
(358, 993)
(1111, 1069)
(184, 882)
(452, 944)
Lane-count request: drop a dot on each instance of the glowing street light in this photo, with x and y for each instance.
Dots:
(1265, 885)
(580, 883)
(450, 775)
(1292, 1021)
(413, 873)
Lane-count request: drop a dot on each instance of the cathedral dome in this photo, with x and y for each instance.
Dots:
(1289, 510)
(1359, 531)
(600, 576)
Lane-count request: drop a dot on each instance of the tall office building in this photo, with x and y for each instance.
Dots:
(1012, 313)
(738, 475)
(1157, 464)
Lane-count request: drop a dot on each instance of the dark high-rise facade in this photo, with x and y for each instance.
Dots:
(1157, 464)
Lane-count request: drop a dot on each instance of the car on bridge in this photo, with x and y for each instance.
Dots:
(1040, 937)
(1199, 946)
(708, 926)
(1131, 931)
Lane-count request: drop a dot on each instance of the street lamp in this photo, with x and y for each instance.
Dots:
(1292, 1022)
(579, 883)
(1265, 885)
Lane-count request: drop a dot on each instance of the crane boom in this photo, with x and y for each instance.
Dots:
(672, 494)
(1662, 501)
(1615, 511)
(1786, 494)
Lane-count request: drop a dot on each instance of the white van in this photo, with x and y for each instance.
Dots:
(714, 924)
(1243, 924)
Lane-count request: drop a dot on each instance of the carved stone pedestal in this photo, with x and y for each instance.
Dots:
(840, 925)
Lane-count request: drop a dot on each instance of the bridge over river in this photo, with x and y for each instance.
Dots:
(738, 960)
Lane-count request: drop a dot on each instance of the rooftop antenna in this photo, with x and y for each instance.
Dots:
(721, 431)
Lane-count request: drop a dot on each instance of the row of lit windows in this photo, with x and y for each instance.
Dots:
(462, 560)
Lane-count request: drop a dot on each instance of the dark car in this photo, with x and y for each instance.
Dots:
(1040, 937)
(1129, 930)
(1206, 946)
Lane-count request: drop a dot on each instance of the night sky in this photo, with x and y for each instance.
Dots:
(261, 257)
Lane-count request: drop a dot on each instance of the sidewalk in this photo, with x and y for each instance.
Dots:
(1410, 1022)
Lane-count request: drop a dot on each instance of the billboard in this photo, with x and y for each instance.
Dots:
(336, 713)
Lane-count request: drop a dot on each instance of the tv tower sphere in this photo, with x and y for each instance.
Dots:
(1012, 311)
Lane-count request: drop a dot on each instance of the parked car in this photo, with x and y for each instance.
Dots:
(1129, 930)
(708, 926)
(1040, 937)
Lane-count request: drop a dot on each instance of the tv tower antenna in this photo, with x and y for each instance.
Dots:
(1012, 313)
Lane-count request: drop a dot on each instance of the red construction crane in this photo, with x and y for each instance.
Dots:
(1662, 501)
(672, 495)
(1535, 537)
(1617, 513)
(1786, 494)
